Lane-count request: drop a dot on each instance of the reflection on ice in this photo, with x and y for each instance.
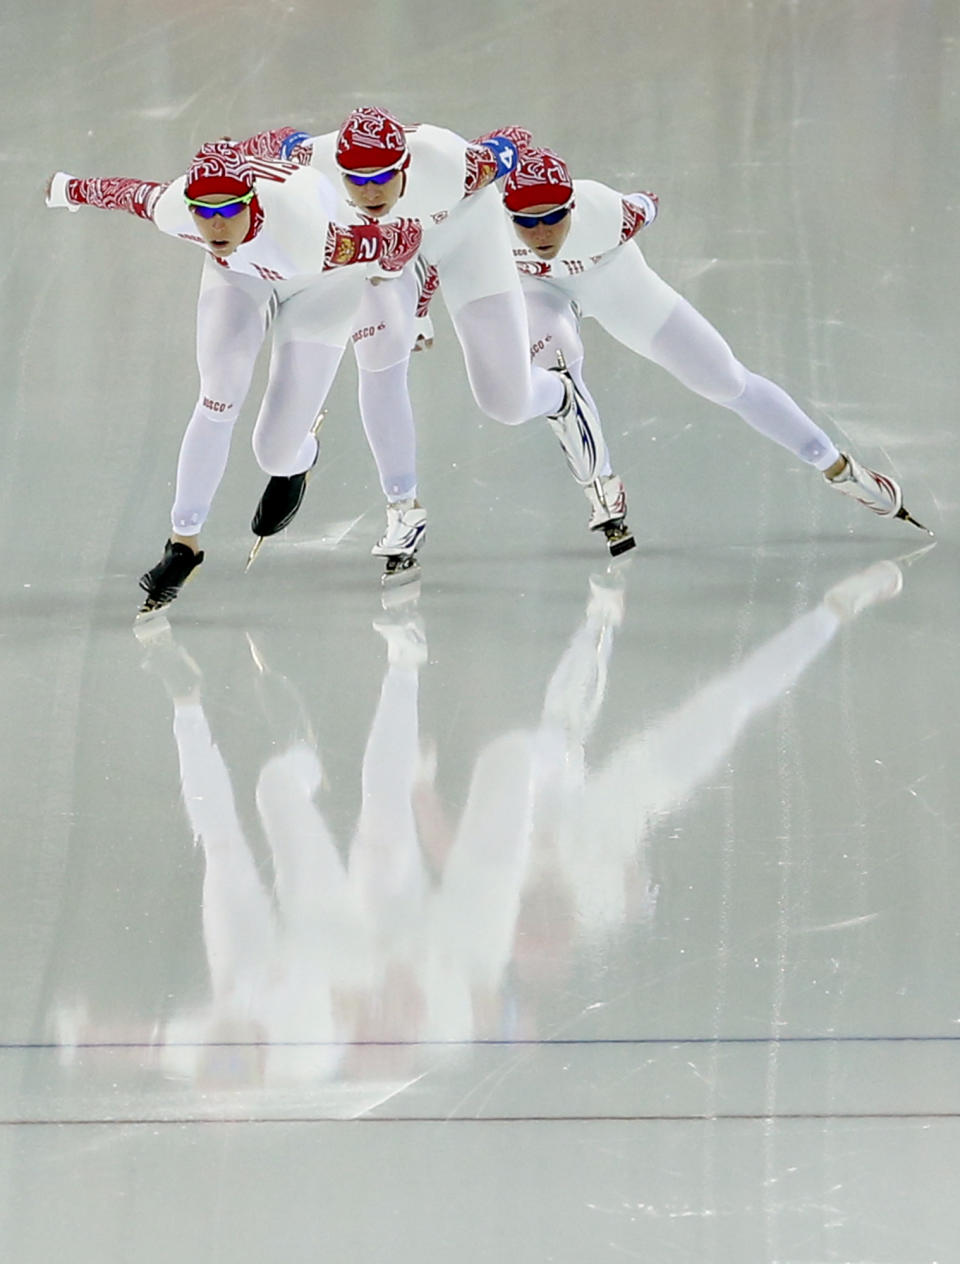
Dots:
(361, 960)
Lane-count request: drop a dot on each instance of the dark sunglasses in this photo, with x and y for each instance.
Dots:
(207, 210)
(381, 177)
(548, 217)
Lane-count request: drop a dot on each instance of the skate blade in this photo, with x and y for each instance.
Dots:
(906, 517)
(623, 545)
(148, 614)
(405, 572)
(252, 555)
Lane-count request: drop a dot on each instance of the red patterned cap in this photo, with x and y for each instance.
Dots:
(219, 168)
(370, 138)
(540, 178)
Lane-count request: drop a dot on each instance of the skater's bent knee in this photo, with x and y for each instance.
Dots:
(508, 414)
(275, 457)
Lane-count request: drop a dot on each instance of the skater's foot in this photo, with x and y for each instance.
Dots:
(400, 542)
(278, 506)
(878, 492)
(162, 583)
(405, 531)
(608, 512)
(283, 495)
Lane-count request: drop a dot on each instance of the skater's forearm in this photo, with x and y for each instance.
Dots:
(115, 193)
(392, 244)
(639, 210)
(428, 280)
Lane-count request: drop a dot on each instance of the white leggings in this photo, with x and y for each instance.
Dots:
(492, 334)
(640, 310)
(309, 332)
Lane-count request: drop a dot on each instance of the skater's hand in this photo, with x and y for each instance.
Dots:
(424, 334)
(55, 194)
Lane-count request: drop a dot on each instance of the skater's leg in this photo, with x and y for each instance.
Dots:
(553, 325)
(694, 352)
(309, 334)
(493, 335)
(387, 416)
(382, 343)
(231, 322)
(301, 374)
(640, 310)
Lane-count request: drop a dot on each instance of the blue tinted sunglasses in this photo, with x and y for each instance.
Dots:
(207, 210)
(381, 177)
(548, 217)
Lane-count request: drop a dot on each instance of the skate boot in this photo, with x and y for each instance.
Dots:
(577, 427)
(281, 499)
(162, 583)
(406, 529)
(608, 501)
(878, 492)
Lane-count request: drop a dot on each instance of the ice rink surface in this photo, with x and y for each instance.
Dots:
(571, 912)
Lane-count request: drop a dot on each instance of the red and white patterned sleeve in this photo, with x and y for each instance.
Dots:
(428, 282)
(392, 243)
(115, 193)
(638, 210)
(481, 169)
(482, 165)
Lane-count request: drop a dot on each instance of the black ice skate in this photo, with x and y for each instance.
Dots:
(608, 502)
(162, 583)
(281, 499)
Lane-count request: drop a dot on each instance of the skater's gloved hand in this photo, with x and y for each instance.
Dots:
(504, 151)
(56, 191)
(296, 141)
(517, 138)
(423, 327)
(400, 240)
(646, 203)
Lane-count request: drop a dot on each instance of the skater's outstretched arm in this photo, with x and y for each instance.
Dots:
(114, 193)
(392, 243)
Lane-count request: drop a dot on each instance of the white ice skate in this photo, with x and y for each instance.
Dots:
(608, 505)
(406, 528)
(878, 492)
(577, 427)
(880, 582)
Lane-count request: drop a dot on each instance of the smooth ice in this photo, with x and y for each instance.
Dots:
(572, 911)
